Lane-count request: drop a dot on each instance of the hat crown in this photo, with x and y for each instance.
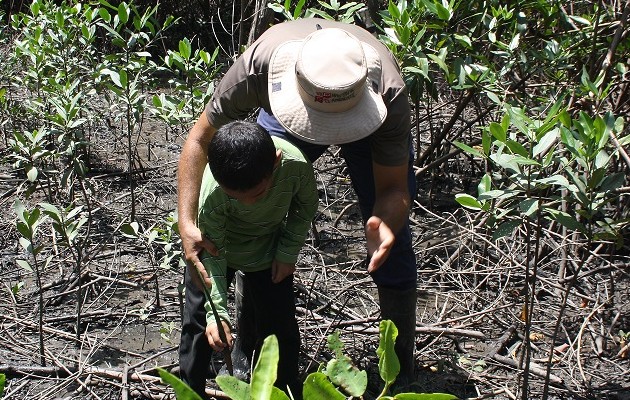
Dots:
(331, 70)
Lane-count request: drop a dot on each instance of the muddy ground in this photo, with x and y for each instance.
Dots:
(470, 337)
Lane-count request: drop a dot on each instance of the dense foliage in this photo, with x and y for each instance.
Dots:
(529, 99)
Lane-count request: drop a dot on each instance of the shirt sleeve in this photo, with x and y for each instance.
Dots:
(301, 213)
(212, 222)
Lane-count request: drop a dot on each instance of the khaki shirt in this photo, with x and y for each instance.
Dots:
(243, 89)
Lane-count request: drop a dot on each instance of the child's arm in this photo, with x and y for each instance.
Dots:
(212, 221)
(301, 213)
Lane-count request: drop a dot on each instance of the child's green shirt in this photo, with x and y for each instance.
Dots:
(250, 237)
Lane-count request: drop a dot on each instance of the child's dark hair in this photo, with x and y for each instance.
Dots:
(241, 154)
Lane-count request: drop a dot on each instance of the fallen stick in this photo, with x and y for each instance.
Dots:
(533, 368)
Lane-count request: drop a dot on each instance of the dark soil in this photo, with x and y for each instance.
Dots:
(471, 336)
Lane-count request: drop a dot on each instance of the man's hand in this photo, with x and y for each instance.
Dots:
(193, 242)
(380, 240)
(280, 270)
(214, 340)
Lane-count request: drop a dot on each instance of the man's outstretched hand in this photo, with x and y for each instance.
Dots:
(380, 240)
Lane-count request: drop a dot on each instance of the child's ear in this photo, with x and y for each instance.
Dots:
(278, 158)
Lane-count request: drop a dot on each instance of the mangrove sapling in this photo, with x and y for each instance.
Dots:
(68, 223)
(127, 73)
(531, 169)
(27, 225)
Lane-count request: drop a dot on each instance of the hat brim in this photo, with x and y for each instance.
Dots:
(316, 126)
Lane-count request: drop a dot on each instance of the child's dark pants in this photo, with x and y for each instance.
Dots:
(268, 309)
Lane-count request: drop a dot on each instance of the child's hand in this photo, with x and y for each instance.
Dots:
(212, 333)
(280, 270)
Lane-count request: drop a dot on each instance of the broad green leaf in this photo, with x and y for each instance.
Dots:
(529, 206)
(2, 382)
(517, 148)
(545, 142)
(493, 97)
(335, 344)
(24, 229)
(343, 373)
(443, 12)
(505, 229)
(266, 369)
(185, 48)
(485, 184)
(277, 394)
(31, 172)
(318, 387)
(566, 220)
(468, 201)
(182, 391)
(596, 178)
(26, 244)
(123, 12)
(19, 208)
(497, 131)
(497, 194)
(613, 181)
(24, 264)
(234, 388)
(554, 180)
(130, 230)
(388, 364)
(520, 160)
(52, 211)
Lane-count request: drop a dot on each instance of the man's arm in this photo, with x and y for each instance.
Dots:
(192, 162)
(391, 211)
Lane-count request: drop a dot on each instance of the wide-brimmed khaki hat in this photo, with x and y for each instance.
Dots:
(325, 89)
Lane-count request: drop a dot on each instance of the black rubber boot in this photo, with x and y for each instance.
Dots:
(399, 306)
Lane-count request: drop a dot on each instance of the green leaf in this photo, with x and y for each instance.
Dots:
(52, 211)
(185, 48)
(566, 220)
(130, 230)
(123, 12)
(234, 388)
(498, 132)
(443, 13)
(613, 181)
(545, 142)
(335, 344)
(468, 201)
(554, 180)
(26, 244)
(505, 229)
(529, 206)
(388, 364)
(266, 369)
(24, 264)
(31, 172)
(318, 387)
(2, 382)
(343, 373)
(485, 184)
(517, 148)
(182, 391)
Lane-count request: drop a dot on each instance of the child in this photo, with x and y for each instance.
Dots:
(257, 200)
